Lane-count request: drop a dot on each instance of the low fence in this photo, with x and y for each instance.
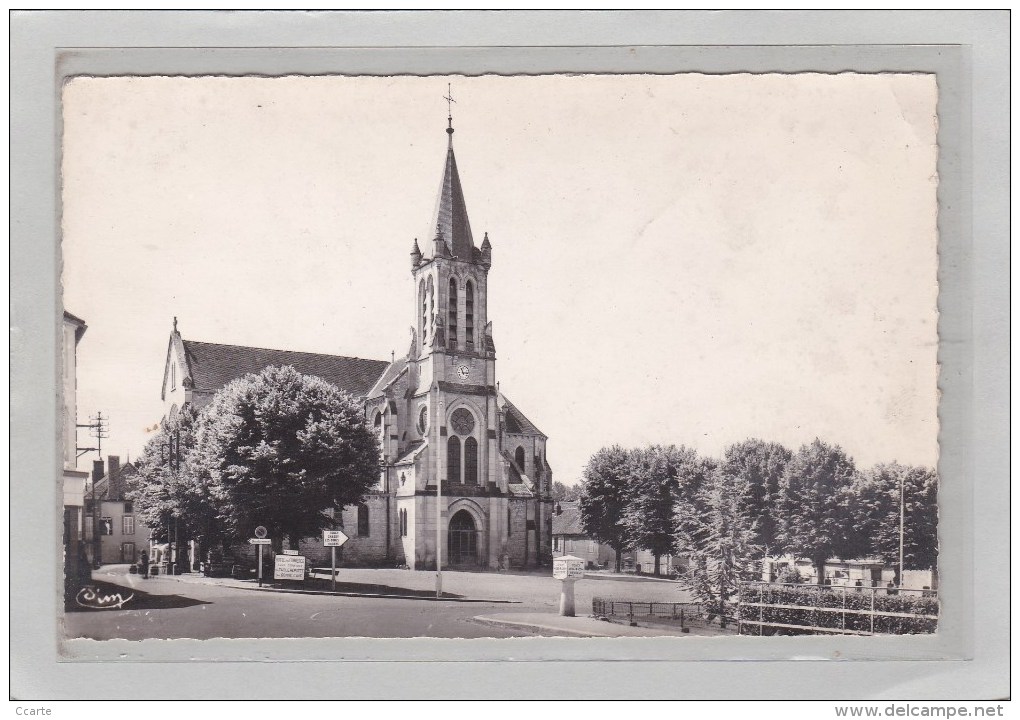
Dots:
(797, 609)
(670, 613)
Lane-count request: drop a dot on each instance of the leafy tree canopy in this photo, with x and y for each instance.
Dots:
(280, 449)
(719, 541)
(878, 495)
(657, 474)
(816, 505)
(605, 493)
(565, 493)
(166, 486)
(762, 464)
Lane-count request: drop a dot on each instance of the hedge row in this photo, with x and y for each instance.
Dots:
(810, 598)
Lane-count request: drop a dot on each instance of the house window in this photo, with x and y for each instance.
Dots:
(128, 525)
(106, 526)
(556, 543)
(452, 339)
(471, 461)
(469, 316)
(129, 507)
(453, 459)
(362, 520)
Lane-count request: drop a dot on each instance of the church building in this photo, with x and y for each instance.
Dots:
(455, 451)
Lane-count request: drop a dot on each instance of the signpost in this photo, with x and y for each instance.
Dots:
(567, 568)
(289, 567)
(260, 536)
(333, 539)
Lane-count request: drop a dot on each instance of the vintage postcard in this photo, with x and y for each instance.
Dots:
(500, 356)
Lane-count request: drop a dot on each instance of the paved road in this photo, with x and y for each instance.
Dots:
(176, 608)
(168, 608)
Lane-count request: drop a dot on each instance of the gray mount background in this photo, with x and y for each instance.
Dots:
(969, 52)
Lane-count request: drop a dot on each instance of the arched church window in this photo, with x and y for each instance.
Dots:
(469, 315)
(423, 420)
(424, 315)
(452, 339)
(453, 459)
(471, 461)
(403, 523)
(430, 292)
(519, 458)
(362, 520)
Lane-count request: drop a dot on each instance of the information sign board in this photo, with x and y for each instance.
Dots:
(333, 538)
(259, 541)
(289, 567)
(568, 567)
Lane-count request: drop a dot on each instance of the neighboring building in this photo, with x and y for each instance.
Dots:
(569, 539)
(869, 571)
(438, 412)
(643, 561)
(76, 565)
(120, 532)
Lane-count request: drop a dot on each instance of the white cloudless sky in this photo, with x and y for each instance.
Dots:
(685, 259)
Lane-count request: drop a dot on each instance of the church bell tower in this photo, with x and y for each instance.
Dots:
(453, 355)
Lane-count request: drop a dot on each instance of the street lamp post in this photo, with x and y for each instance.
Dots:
(901, 529)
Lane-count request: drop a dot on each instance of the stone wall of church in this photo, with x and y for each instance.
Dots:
(517, 540)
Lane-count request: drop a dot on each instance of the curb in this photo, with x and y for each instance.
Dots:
(531, 627)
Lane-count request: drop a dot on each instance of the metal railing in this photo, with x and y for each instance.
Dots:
(671, 612)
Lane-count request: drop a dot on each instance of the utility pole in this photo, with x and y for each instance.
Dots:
(99, 428)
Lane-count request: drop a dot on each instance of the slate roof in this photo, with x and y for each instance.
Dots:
(212, 366)
(516, 422)
(390, 374)
(569, 521)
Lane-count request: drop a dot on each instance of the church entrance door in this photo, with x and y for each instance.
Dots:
(463, 539)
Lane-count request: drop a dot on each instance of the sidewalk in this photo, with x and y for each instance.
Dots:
(558, 625)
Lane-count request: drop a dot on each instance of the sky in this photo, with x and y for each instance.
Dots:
(687, 259)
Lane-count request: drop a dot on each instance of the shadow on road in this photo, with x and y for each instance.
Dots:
(367, 589)
(107, 597)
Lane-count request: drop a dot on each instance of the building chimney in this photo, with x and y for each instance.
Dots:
(115, 491)
(97, 471)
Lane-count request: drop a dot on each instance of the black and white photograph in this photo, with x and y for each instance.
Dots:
(581, 356)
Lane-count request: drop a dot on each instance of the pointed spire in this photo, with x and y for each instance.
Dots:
(415, 254)
(486, 251)
(451, 211)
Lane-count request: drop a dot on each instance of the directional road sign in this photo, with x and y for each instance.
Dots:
(333, 538)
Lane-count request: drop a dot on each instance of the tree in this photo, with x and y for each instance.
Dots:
(815, 501)
(762, 465)
(165, 491)
(605, 492)
(878, 494)
(565, 493)
(656, 474)
(718, 536)
(281, 449)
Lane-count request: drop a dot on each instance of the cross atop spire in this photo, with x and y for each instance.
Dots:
(449, 110)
